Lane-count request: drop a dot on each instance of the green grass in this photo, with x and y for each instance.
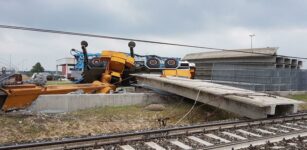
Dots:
(301, 97)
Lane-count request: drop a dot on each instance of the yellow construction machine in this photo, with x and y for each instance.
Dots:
(115, 68)
(17, 95)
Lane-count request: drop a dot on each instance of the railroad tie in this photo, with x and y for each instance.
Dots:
(265, 131)
(248, 133)
(201, 141)
(234, 135)
(277, 147)
(181, 145)
(126, 147)
(154, 146)
(299, 124)
(218, 138)
(287, 127)
(292, 124)
(277, 129)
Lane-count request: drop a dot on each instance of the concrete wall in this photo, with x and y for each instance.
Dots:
(73, 102)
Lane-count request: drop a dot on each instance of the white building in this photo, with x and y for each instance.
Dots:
(66, 65)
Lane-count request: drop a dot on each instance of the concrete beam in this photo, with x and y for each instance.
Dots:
(239, 101)
(300, 64)
(58, 103)
(238, 53)
(237, 60)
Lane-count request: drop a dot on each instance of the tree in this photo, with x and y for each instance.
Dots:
(37, 68)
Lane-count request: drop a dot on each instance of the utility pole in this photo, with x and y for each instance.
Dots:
(10, 61)
(252, 35)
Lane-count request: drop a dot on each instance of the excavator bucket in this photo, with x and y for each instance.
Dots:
(19, 96)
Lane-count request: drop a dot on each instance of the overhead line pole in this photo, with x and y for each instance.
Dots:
(252, 35)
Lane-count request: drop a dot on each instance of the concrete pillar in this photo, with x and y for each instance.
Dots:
(287, 61)
(280, 66)
(280, 60)
(300, 64)
(294, 63)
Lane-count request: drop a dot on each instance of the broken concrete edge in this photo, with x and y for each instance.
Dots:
(230, 102)
(60, 103)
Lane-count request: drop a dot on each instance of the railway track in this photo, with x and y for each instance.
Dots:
(288, 132)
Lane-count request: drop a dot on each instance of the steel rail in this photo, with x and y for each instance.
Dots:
(258, 141)
(151, 134)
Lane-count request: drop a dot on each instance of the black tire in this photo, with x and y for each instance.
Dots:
(96, 62)
(153, 63)
(171, 63)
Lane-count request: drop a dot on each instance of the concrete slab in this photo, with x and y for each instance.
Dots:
(71, 102)
(240, 101)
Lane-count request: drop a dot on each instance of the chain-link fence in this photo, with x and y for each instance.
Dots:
(272, 79)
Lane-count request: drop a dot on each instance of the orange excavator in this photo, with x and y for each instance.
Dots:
(114, 68)
(16, 94)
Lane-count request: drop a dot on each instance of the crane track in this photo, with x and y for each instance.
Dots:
(216, 135)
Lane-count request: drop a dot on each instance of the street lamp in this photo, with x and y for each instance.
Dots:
(252, 35)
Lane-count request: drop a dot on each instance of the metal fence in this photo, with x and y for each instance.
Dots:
(273, 79)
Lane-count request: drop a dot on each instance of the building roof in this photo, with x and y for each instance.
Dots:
(235, 53)
(66, 61)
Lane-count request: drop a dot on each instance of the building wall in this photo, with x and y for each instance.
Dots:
(66, 64)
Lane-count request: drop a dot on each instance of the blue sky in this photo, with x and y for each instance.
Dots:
(220, 23)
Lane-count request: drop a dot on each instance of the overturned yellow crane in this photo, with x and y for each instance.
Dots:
(115, 69)
(18, 95)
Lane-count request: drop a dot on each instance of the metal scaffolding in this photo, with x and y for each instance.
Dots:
(269, 79)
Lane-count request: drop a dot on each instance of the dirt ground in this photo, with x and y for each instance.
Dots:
(19, 128)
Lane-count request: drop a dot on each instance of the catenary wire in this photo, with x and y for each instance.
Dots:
(137, 40)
